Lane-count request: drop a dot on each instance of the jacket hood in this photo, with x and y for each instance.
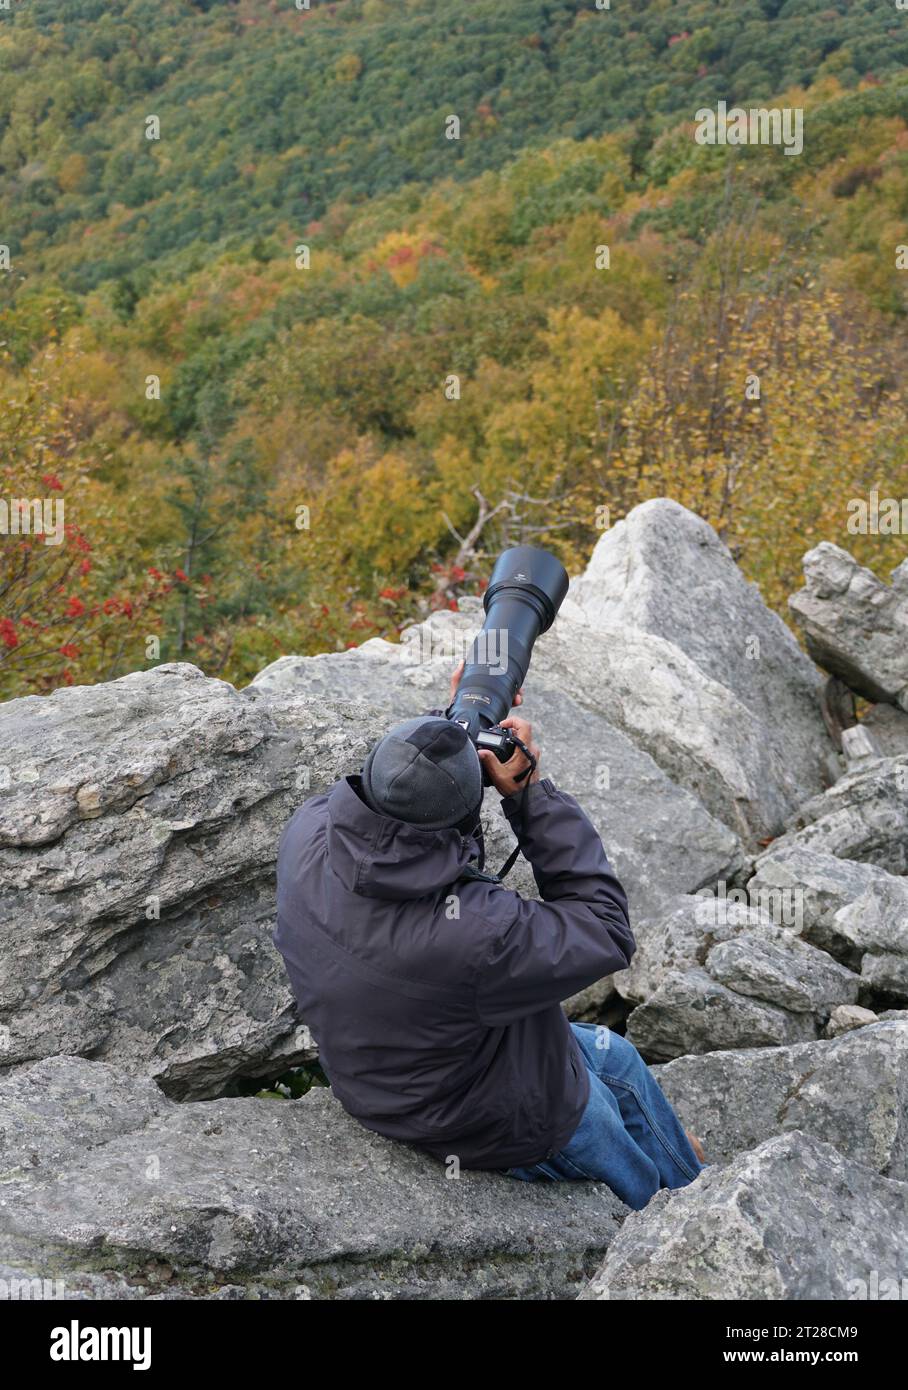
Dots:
(380, 857)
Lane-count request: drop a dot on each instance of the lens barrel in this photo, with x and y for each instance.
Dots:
(526, 589)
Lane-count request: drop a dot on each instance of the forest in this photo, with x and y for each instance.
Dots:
(279, 358)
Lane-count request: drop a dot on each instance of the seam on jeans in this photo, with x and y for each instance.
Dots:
(577, 1169)
(616, 1081)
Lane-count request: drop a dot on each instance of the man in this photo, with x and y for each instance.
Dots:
(434, 992)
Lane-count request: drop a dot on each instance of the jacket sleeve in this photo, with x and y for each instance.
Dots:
(550, 950)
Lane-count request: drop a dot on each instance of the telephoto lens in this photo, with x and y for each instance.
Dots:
(526, 589)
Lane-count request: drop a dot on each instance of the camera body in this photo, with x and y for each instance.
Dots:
(497, 741)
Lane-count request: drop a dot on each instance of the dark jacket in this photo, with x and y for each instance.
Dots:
(437, 1017)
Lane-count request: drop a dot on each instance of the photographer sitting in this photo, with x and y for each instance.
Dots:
(434, 992)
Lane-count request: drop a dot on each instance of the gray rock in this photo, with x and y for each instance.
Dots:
(888, 727)
(137, 872)
(691, 1012)
(682, 935)
(856, 627)
(751, 1230)
(886, 973)
(749, 956)
(665, 570)
(877, 920)
(858, 747)
(851, 1092)
(811, 887)
(108, 1178)
(873, 928)
(34, 1286)
(698, 731)
(678, 937)
(783, 970)
(863, 816)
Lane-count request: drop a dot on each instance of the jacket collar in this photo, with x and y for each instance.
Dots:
(380, 857)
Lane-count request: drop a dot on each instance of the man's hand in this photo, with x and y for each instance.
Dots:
(502, 775)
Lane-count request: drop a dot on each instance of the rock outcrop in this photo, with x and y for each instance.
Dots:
(851, 1092)
(140, 992)
(137, 873)
(105, 1178)
(749, 1230)
(717, 973)
(864, 816)
(665, 571)
(856, 627)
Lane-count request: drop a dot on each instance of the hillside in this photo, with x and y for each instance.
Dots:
(270, 114)
(258, 458)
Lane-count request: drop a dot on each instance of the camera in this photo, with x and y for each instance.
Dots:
(526, 589)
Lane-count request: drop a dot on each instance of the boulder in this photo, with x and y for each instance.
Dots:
(697, 730)
(855, 625)
(105, 1180)
(851, 1092)
(664, 570)
(813, 886)
(692, 927)
(864, 816)
(679, 937)
(886, 973)
(692, 1012)
(137, 862)
(715, 973)
(783, 970)
(793, 1219)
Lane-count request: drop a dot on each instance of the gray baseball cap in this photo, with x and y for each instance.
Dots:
(425, 771)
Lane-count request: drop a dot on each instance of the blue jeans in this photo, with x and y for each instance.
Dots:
(629, 1136)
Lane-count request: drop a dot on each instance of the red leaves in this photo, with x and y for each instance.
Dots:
(8, 634)
(75, 607)
(401, 256)
(69, 649)
(52, 482)
(117, 605)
